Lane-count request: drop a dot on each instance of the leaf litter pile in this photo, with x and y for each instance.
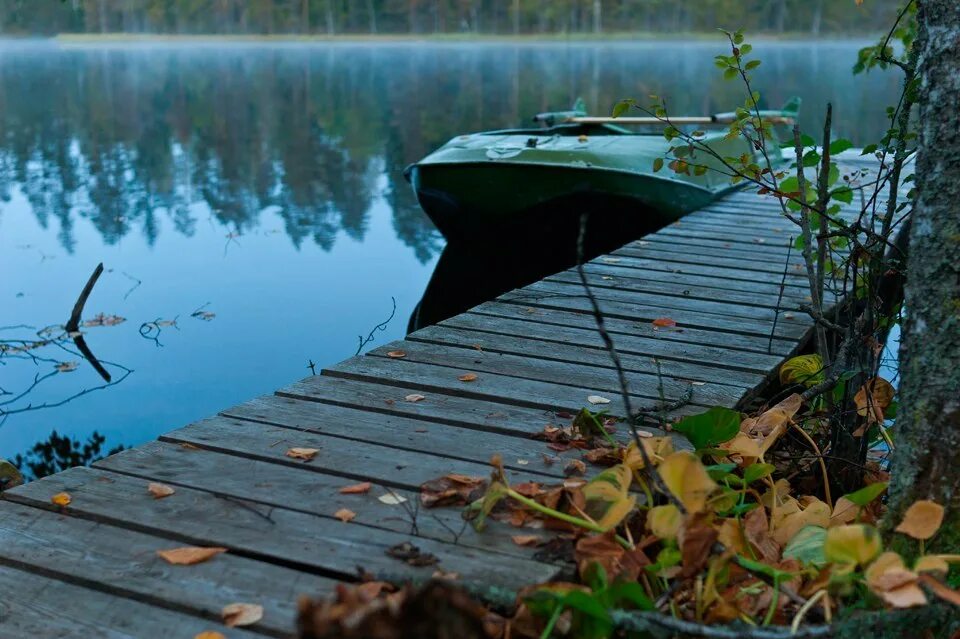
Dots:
(714, 523)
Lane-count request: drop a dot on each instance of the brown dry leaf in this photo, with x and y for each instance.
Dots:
(922, 520)
(941, 590)
(756, 530)
(411, 555)
(777, 416)
(210, 634)
(306, 454)
(61, 499)
(345, 515)
(743, 449)
(396, 354)
(527, 540)
(468, 377)
(452, 490)
(414, 397)
(190, 555)
(844, 512)
(697, 537)
(663, 322)
(873, 399)
(356, 489)
(931, 563)
(574, 467)
(159, 491)
(618, 563)
(241, 614)
(788, 524)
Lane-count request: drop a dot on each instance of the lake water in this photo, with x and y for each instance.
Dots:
(263, 185)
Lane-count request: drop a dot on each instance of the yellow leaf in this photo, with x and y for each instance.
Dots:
(657, 448)
(61, 499)
(159, 491)
(922, 520)
(777, 416)
(685, 476)
(814, 513)
(932, 563)
(844, 512)
(608, 499)
(190, 555)
(210, 634)
(803, 369)
(854, 544)
(665, 521)
(306, 454)
(241, 614)
(468, 377)
(743, 449)
(345, 515)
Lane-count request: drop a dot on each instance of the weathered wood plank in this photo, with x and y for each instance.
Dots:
(285, 537)
(683, 361)
(125, 563)
(438, 408)
(774, 251)
(428, 379)
(36, 607)
(540, 296)
(355, 461)
(646, 385)
(731, 275)
(453, 442)
(268, 486)
(624, 329)
(694, 258)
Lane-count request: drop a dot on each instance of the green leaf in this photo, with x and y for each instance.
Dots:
(631, 593)
(867, 494)
(844, 194)
(870, 148)
(621, 107)
(839, 146)
(753, 472)
(799, 243)
(753, 64)
(811, 158)
(760, 568)
(657, 164)
(745, 49)
(790, 185)
(585, 603)
(802, 369)
(806, 140)
(710, 428)
(730, 74)
(719, 471)
(807, 546)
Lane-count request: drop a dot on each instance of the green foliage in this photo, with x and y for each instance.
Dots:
(710, 428)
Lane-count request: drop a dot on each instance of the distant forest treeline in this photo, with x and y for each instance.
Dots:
(330, 17)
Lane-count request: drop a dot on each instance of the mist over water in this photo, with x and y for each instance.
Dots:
(263, 183)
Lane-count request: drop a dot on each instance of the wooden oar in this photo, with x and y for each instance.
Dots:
(703, 119)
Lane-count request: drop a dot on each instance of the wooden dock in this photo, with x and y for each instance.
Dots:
(724, 274)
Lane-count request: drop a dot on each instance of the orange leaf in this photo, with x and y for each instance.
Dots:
(61, 499)
(241, 614)
(396, 354)
(526, 540)
(664, 322)
(468, 377)
(306, 454)
(922, 520)
(190, 555)
(356, 489)
(210, 634)
(345, 515)
(159, 491)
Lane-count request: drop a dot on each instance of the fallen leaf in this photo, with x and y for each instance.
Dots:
(306, 454)
(67, 367)
(392, 499)
(853, 544)
(412, 555)
(413, 397)
(396, 354)
(345, 515)
(241, 614)
(873, 399)
(685, 476)
(467, 377)
(452, 490)
(941, 590)
(664, 322)
(574, 467)
(159, 491)
(190, 555)
(210, 634)
(61, 499)
(597, 399)
(527, 540)
(356, 489)
(922, 520)
(665, 521)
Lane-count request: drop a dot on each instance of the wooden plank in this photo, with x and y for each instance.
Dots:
(623, 329)
(453, 442)
(731, 275)
(690, 257)
(770, 249)
(586, 347)
(428, 379)
(269, 486)
(485, 415)
(646, 310)
(285, 537)
(771, 229)
(646, 385)
(711, 307)
(640, 285)
(37, 607)
(708, 284)
(352, 461)
(125, 563)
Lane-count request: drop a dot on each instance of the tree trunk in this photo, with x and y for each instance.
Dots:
(331, 22)
(817, 19)
(516, 17)
(926, 463)
(372, 15)
(597, 16)
(305, 16)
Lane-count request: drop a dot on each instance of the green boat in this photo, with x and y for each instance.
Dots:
(494, 180)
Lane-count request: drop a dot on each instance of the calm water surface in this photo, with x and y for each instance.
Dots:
(263, 184)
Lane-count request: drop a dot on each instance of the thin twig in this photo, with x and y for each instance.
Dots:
(783, 283)
(382, 326)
